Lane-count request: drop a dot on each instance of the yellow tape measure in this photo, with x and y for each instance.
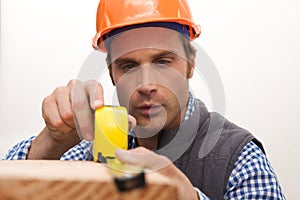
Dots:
(111, 132)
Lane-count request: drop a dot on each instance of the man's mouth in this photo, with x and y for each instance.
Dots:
(149, 109)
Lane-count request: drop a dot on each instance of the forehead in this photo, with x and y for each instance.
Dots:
(146, 38)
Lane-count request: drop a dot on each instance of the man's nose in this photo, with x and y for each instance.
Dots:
(148, 80)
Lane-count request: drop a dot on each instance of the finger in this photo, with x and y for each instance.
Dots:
(63, 102)
(95, 93)
(52, 117)
(131, 122)
(143, 157)
(82, 111)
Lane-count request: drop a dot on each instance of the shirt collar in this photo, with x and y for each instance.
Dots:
(190, 108)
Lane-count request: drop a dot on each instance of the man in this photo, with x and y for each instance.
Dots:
(150, 60)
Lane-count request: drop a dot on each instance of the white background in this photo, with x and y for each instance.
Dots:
(253, 43)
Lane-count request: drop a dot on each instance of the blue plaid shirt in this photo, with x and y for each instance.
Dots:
(252, 176)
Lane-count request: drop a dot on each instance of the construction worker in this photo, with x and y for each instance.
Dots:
(150, 60)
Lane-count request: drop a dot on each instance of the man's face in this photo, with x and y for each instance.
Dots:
(151, 72)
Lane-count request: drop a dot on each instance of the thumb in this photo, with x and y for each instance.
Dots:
(95, 92)
(143, 157)
(131, 122)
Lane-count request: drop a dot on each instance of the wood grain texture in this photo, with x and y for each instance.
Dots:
(74, 180)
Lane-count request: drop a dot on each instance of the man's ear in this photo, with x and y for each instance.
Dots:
(191, 67)
(111, 76)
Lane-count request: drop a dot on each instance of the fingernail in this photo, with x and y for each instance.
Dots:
(97, 103)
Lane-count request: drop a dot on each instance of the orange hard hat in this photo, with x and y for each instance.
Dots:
(114, 14)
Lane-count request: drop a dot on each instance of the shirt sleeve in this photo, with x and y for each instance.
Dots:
(201, 195)
(82, 151)
(252, 177)
(20, 150)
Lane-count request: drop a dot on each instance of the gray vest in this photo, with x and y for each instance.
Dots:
(205, 148)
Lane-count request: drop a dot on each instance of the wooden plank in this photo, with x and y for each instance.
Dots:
(74, 180)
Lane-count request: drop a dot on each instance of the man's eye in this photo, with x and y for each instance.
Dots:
(127, 67)
(163, 62)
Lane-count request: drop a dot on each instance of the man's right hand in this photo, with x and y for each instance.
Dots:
(68, 114)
